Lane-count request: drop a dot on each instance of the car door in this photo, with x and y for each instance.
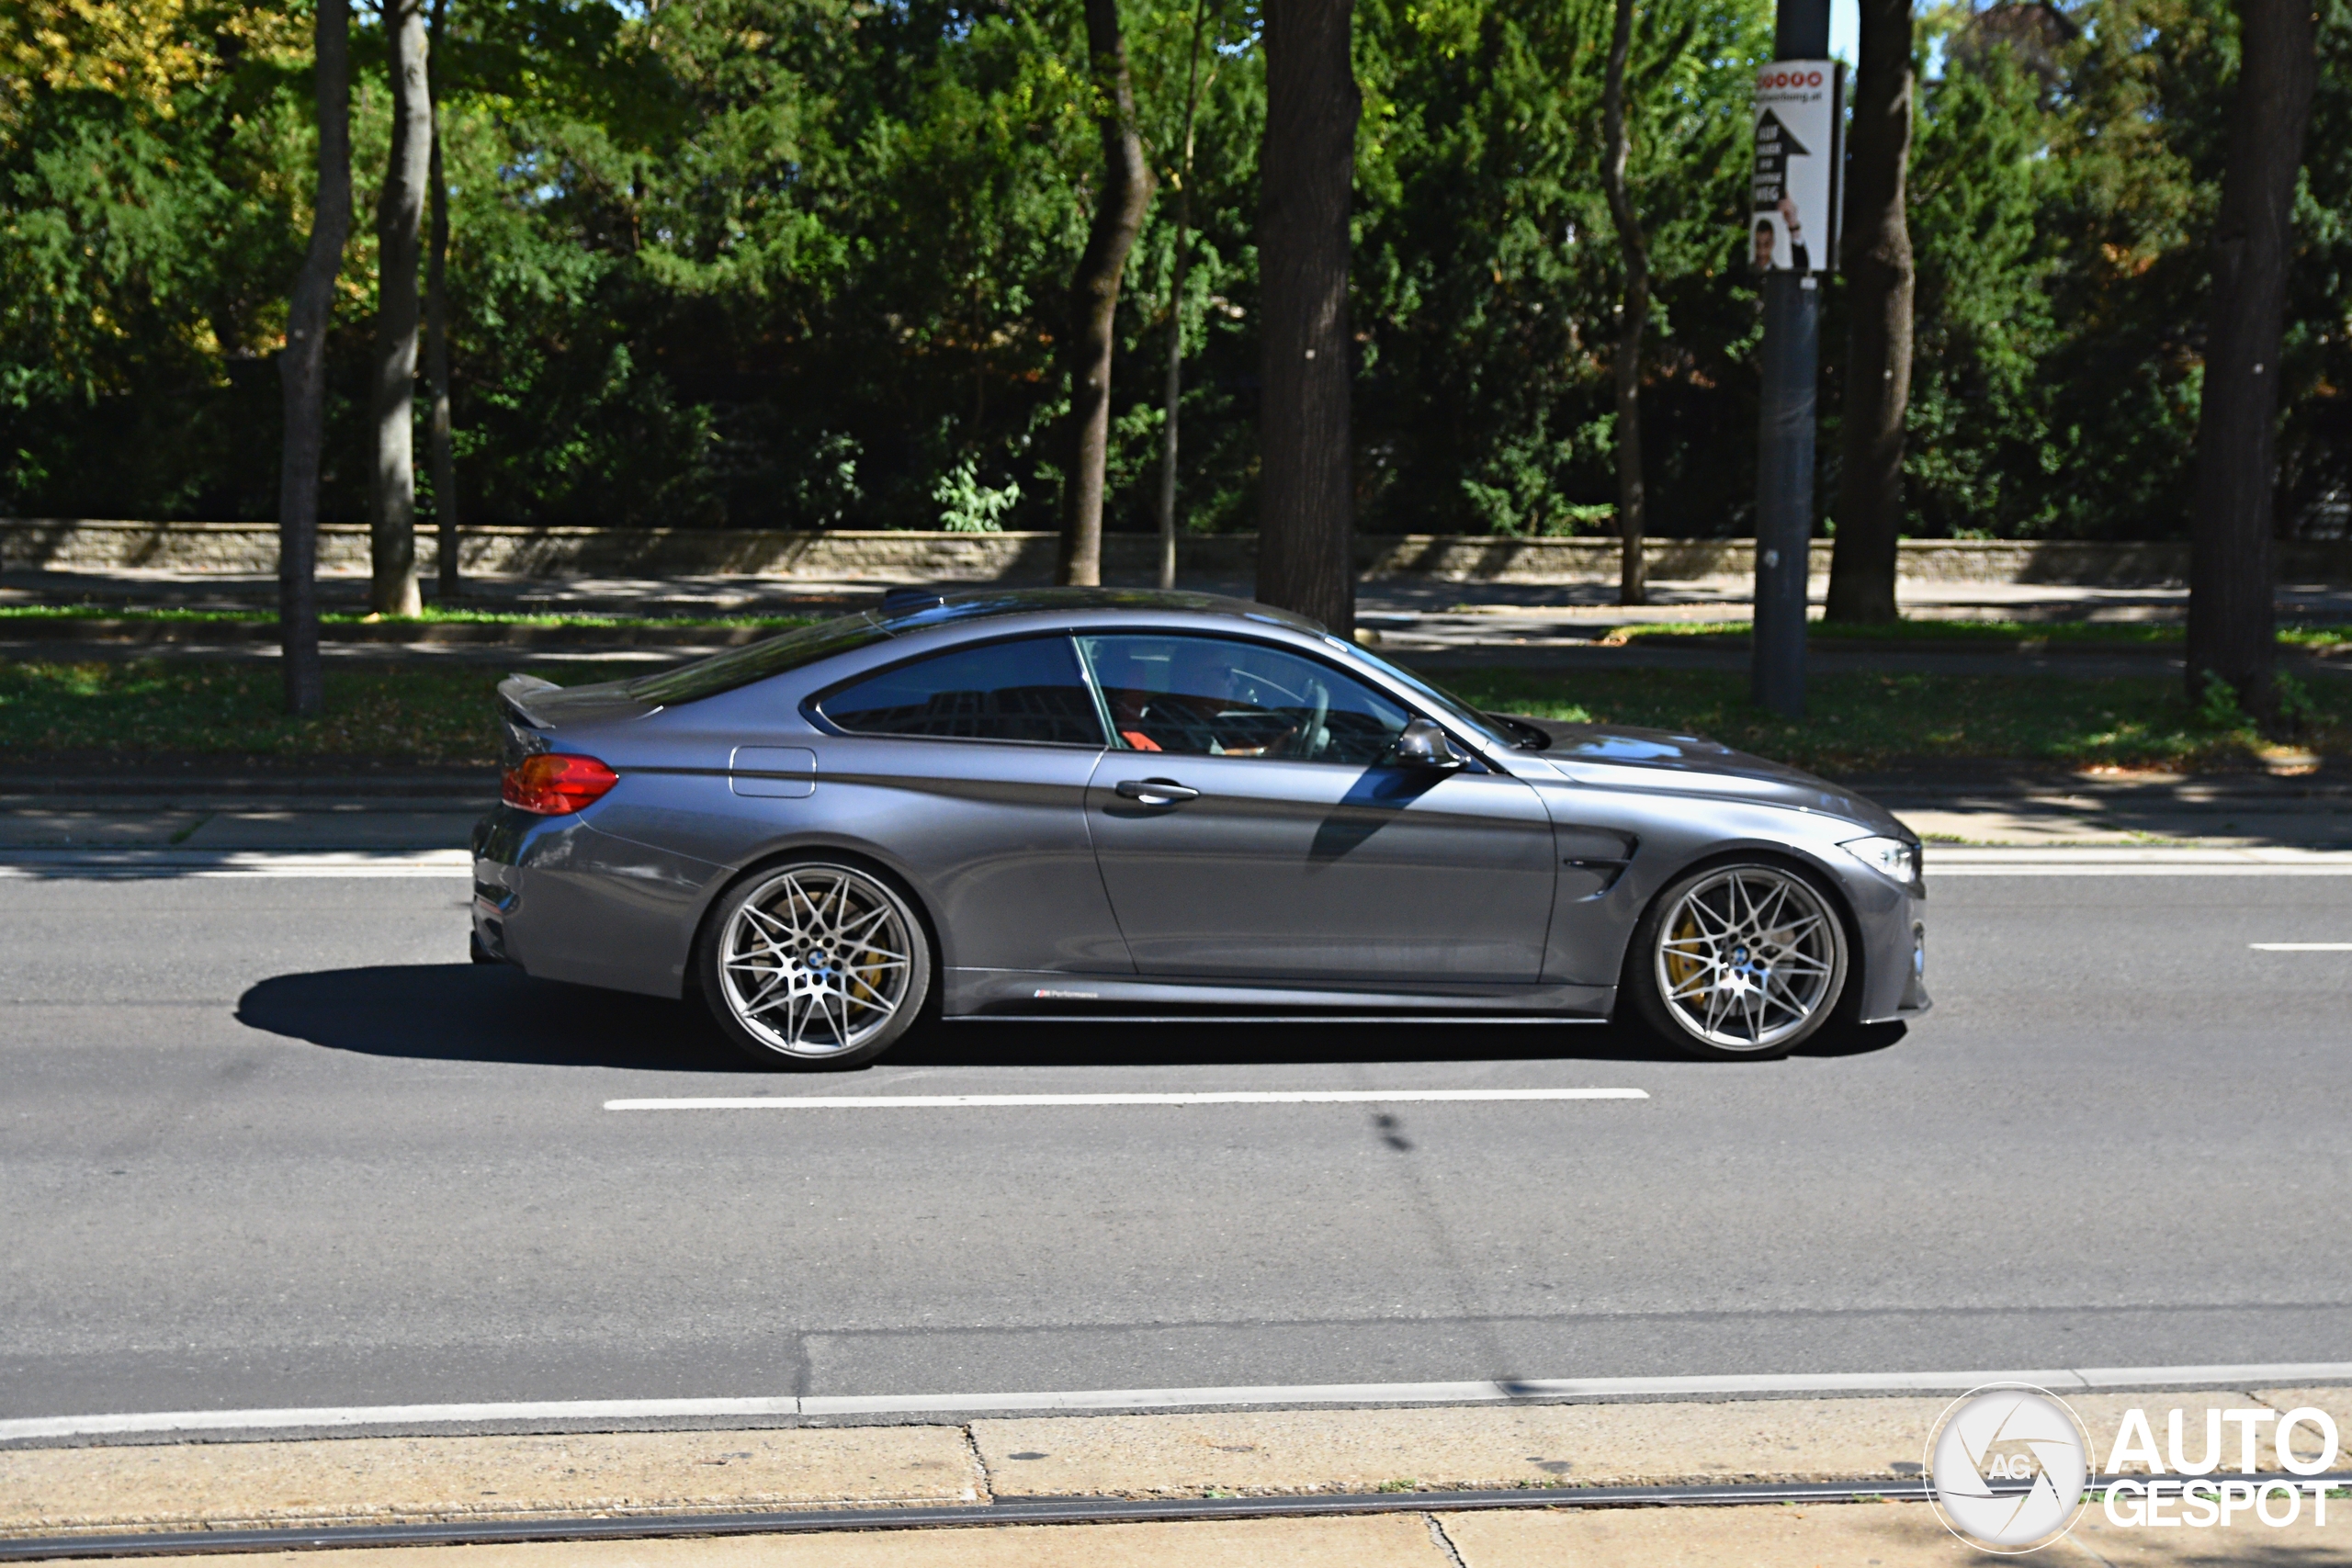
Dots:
(971, 765)
(1250, 822)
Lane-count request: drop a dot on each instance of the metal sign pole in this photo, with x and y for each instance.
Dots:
(1790, 358)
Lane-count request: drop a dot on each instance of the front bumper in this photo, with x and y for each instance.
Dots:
(1894, 962)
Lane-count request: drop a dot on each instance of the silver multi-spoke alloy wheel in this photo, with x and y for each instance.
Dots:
(820, 962)
(1748, 959)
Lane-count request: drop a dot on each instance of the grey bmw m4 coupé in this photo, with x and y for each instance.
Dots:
(1096, 803)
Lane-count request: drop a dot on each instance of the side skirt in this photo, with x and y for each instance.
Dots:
(979, 994)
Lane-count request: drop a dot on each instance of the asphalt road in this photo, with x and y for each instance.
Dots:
(273, 1143)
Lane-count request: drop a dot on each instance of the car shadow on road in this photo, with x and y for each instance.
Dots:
(484, 1012)
(470, 1012)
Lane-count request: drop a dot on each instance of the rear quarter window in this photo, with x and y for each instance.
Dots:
(1029, 689)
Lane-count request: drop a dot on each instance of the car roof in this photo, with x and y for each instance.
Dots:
(918, 609)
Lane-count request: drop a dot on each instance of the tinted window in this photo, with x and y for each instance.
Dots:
(1006, 691)
(1207, 696)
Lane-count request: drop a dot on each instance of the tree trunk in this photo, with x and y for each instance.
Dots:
(1306, 501)
(1173, 393)
(400, 221)
(437, 349)
(1633, 507)
(1095, 294)
(1878, 352)
(303, 369)
(2232, 624)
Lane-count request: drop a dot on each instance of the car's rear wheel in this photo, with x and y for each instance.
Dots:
(814, 965)
(1738, 963)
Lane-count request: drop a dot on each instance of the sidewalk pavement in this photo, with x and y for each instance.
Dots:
(1392, 1454)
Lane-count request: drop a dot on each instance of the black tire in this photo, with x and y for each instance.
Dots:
(814, 965)
(1767, 974)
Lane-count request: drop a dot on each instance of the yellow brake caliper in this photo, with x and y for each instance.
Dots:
(1680, 965)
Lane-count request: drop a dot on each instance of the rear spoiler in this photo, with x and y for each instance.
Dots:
(527, 703)
(515, 694)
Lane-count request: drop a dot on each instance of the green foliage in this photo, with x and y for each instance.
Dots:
(803, 263)
(964, 507)
(1980, 168)
(2063, 184)
(2217, 705)
(2315, 443)
(2297, 708)
(1487, 276)
(146, 236)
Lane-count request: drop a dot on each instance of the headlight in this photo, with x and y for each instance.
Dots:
(1889, 857)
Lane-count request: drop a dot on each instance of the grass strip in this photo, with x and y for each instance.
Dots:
(435, 714)
(1859, 722)
(418, 714)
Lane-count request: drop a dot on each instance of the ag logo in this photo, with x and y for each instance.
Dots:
(2007, 1464)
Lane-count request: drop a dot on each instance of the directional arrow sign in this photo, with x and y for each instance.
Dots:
(1795, 189)
(1775, 145)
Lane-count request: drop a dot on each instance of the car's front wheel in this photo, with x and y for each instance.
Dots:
(1738, 963)
(814, 965)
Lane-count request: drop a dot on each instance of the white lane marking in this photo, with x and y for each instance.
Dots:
(2069, 1379)
(55, 865)
(2301, 946)
(1237, 1097)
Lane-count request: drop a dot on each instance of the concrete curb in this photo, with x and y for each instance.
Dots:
(1315, 1461)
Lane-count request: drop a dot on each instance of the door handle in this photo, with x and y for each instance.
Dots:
(1157, 792)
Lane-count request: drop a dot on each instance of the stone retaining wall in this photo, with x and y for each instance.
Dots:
(251, 549)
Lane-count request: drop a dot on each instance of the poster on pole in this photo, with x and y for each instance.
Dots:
(1800, 147)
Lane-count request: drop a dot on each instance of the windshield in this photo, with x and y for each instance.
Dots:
(757, 661)
(1494, 729)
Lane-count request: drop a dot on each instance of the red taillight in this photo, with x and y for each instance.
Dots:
(552, 783)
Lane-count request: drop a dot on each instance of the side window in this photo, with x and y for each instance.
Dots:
(1005, 691)
(1210, 697)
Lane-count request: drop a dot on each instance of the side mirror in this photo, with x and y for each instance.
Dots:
(1424, 745)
